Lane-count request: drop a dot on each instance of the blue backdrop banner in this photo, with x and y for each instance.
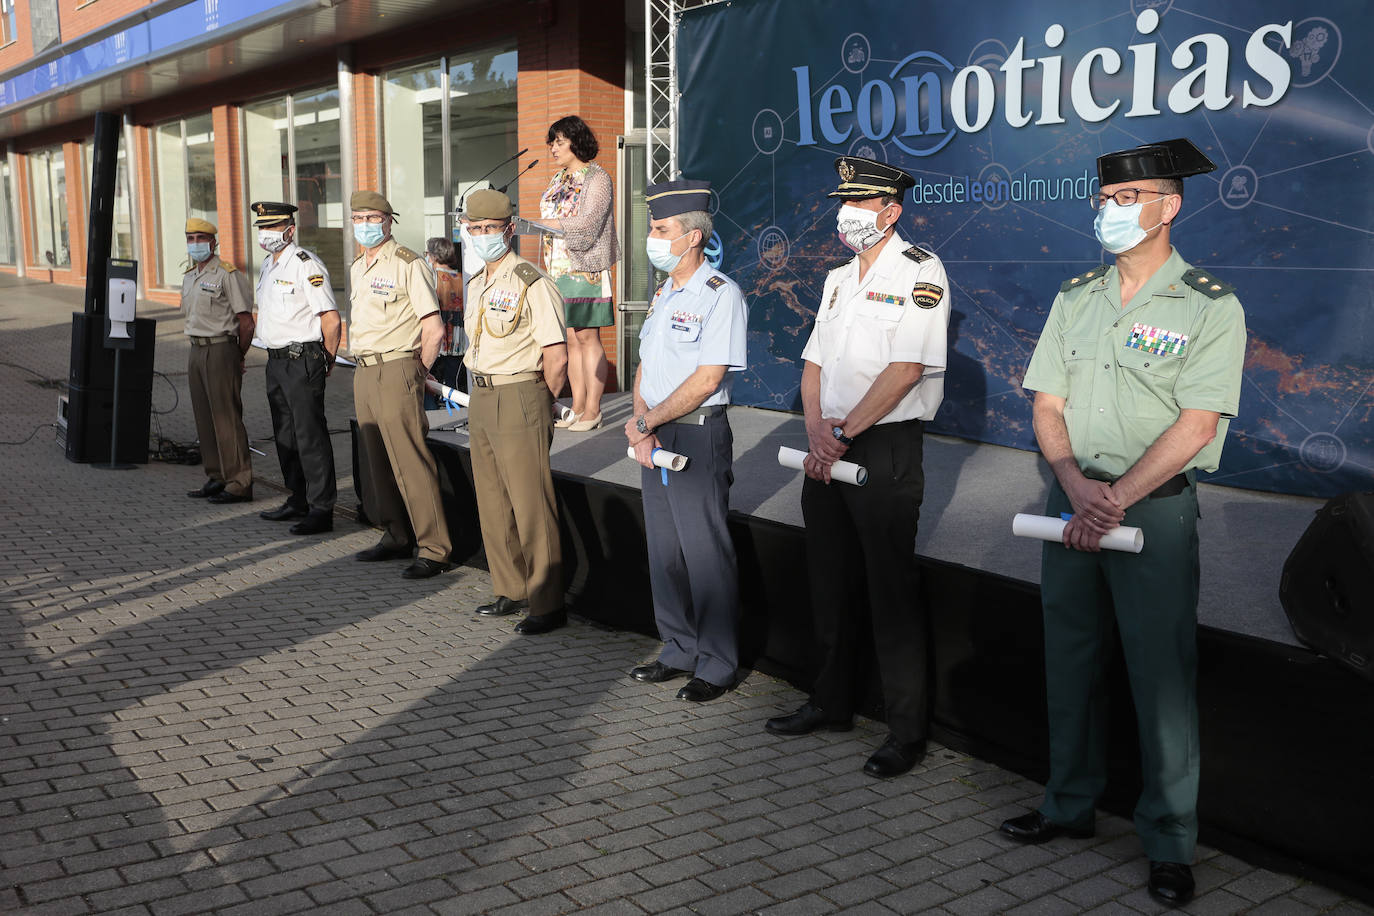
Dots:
(1000, 111)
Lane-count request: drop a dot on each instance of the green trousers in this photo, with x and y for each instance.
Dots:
(1152, 599)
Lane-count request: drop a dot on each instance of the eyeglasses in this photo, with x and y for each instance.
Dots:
(373, 218)
(487, 228)
(1124, 198)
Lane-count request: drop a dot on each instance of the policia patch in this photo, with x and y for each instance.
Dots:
(926, 295)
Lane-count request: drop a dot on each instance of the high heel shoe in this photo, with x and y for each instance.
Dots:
(583, 426)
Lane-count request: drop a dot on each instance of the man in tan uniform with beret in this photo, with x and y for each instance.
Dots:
(517, 360)
(218, 302)
(394, 338)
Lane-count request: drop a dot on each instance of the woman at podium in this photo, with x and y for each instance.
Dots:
(579, 201)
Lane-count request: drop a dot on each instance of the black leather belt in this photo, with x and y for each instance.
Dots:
(291, 351)
(1171, 487)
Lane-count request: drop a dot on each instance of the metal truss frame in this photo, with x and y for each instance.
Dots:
(661, 87)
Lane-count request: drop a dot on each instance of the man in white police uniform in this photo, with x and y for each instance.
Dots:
(298, 323)
(873, 372)
(692, 341)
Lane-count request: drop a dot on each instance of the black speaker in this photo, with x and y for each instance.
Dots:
(89, 416)
(1327, 588)
(92, 363)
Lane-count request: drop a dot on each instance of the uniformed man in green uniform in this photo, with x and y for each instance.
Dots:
(394, 338)
(218, 302)
(1136, 376)
(517, 361)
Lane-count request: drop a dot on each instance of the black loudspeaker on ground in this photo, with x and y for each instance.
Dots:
(1327, 588)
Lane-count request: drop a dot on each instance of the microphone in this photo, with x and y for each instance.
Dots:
(533, 163)
(498, 165)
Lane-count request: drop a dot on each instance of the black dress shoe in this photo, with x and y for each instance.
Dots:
(382, 552)
(1171, 883)
(282, 513)
(314, 523)
(502, 606)
(1036, 828)
(806, 720)
(424, 568)
(895, 757)
(698, 691)
(534, 624)
(209, 488)
(656, 673)
(224, 496)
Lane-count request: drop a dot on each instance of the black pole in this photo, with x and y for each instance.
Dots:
(104, 169)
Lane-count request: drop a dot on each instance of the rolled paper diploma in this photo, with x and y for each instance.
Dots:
(564, 412)
(843, 471)
(449, 394)
(1128, 540)
(663, 458)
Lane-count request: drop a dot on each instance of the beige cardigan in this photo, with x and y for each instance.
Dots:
(590, 232)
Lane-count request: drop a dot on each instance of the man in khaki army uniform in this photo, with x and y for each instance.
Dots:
(517, 360)
(1136, 376)
(394, 338)
(218, 302)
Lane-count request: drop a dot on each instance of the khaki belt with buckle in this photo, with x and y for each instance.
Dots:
(496, 381)
(376, 359)
(209, 341)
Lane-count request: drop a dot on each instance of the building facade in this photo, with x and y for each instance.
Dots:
(228, 101)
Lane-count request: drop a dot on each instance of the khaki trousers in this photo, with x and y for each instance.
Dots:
(511, 429)
(400, 480)
(215, 376)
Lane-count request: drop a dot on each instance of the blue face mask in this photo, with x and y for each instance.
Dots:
(490, 247)
(199, 251)
(368, 235)
(1118, 227)
(661, 255)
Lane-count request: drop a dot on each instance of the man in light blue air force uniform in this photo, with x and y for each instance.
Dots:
(693, 339)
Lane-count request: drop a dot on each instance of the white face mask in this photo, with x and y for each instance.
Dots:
(472, 264)
(272, 241)
(1118, 227)
(858, 227)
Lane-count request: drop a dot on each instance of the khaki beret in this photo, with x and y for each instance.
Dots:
(370, 200)
(195, 224)
(488, 204)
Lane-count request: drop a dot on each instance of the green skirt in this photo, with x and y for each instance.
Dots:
(586, 299)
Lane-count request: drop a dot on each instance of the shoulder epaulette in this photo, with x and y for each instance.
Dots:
(227, 265)
(302, 254)
(917, 254)
(405, 254)
(715, 282)
(1208, 285)
(1079, 280)
(838, 264)
(527, 273)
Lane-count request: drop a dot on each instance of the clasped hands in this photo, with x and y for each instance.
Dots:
(1096, 511)
(825, 449)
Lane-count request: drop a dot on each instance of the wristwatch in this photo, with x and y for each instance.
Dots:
(838, 433)
(642, 425)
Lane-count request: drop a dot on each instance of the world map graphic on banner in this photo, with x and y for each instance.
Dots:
(1000, 111)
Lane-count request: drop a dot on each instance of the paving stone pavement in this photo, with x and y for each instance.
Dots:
(200, 713)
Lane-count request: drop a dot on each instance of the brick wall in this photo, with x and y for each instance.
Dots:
(572, 61)
(77, 17)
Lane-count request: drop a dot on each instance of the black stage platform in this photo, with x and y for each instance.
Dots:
(1287, 780)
